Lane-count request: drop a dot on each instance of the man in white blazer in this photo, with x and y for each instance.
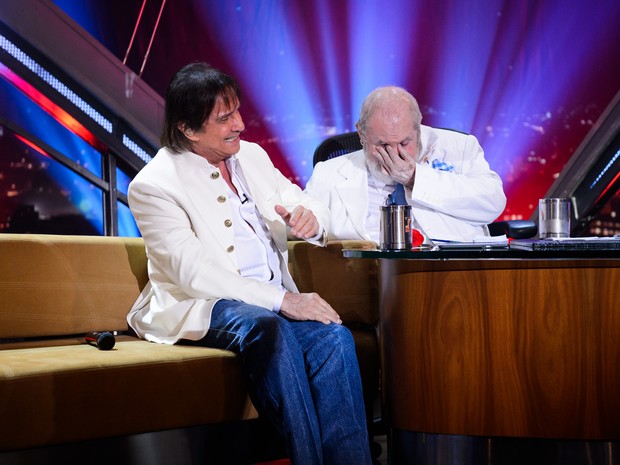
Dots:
(447, 181)
(213, 212)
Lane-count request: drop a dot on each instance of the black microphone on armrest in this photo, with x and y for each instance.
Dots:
(101, 340)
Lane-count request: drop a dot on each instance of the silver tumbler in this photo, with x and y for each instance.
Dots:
(395, 227)
(554, 218)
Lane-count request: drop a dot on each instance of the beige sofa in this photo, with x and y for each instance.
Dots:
(56, 389)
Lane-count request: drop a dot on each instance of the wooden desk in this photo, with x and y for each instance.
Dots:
(505, 343)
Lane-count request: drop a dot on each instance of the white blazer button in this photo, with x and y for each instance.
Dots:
(228, 223)
(215, 175)
(221, 199)
(230, 249)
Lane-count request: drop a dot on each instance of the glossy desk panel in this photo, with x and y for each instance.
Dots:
(517, 344)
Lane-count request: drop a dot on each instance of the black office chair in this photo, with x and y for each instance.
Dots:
(335, 146)
(350, 142)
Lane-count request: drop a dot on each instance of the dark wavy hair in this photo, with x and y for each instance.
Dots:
(190, 99)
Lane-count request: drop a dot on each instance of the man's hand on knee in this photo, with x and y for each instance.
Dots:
(308, 306)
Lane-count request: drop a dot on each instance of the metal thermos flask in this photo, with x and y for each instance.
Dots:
(395, 227)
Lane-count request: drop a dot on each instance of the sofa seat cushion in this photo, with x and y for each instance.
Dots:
(68, 393)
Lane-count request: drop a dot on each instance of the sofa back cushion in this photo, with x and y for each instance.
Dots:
(54, 285)
(349, 285)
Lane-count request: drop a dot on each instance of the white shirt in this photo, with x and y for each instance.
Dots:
(257, 255)
(378, 193)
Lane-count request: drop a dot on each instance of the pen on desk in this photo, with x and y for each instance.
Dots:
(437, 243)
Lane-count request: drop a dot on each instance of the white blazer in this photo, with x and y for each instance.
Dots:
(451, 205)
(181, 212)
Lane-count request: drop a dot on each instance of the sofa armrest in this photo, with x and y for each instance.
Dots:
(349, 285)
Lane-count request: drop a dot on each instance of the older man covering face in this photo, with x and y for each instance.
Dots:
(452, 190)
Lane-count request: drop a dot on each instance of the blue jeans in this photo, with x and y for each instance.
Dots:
(303, 376)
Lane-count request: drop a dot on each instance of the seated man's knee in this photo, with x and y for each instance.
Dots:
(341, 336)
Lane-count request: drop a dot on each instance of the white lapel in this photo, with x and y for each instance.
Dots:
(354, 199)
(261, 184)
